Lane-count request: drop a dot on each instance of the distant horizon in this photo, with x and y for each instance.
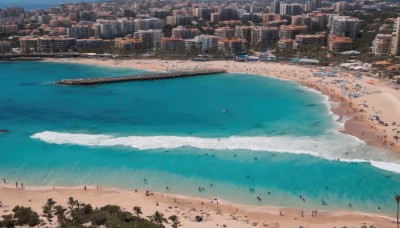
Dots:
(34, 4)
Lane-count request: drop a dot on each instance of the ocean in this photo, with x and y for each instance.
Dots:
(35, 4)
(238, 136)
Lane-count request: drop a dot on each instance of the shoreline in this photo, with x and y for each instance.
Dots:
(357, 123)
(214, 212)
(224, 212)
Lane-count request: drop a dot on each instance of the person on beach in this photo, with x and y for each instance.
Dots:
(84, 188)
(4, 180)
(22, 185)
(16, 184)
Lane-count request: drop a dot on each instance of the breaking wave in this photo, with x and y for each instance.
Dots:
(338, 147)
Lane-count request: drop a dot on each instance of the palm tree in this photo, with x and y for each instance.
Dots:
(175, 221)
(138, 211)
(60, 213)
(158, 219)
(397, 197)
(48, 209)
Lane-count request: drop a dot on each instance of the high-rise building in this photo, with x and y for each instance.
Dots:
(275, 7)
(395, 47)
(316, 3)
(5, 46)
(290, 32)
(79, 31)
(204, 13)
(149, 37)
(244, 32)
(339, 44)
(224, 32)
(291, 9)
(228, 14)
(381, 44)
(265, 37)
(269, 17)
(172, 44)
(308, 40)
(184, 33)
(148, 23)
(345, 26)
(232, 46)
(56, 44)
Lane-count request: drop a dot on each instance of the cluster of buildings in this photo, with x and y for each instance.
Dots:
(204, 27)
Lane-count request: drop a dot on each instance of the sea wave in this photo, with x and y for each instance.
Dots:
(337, 147)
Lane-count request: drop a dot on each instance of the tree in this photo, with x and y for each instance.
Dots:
(48, 209)
(138, 211)
(158, 219)
(25, 216)
(397, 197)
(60, 213)
(175, 221)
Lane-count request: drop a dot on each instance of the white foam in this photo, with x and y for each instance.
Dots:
(392, 167)
(334, 146)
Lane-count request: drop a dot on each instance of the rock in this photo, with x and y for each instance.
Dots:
(198, 218)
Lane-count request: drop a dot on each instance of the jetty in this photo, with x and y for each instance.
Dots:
(142, 77)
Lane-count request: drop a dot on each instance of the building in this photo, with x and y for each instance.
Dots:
(264, 37)
(215, 17)
(8, 29)
(342, 6)
(395, 46)
(172, 44)
(160, 13)
(87, 16)
(125, 27)
(285, 44)
(275, 7)
(79, 31)
(310, 40)
(291, 9)
(91, 43)
(128, 44)
(208, 42)
(244, 32)
(270, 17)
(232, 46)
(56, 44)
(228, 14)
(224, 32)
(202, 13)
(5, 46)
(290, 31)
(149, 37)
(345, 26)
(179, 20)
(28, 44)
(381, 44)
(339, 44)
(184, 33)
(192, 44)
(148, 23)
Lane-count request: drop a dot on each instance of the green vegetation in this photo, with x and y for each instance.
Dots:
(78, 214)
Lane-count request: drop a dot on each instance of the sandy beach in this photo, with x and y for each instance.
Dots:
(215, 213)
(378, 99)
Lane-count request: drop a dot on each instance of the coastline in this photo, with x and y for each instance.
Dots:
(214, 214)
(356, 111)
(224, 212)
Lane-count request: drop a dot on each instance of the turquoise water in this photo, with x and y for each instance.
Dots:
(251, 135)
